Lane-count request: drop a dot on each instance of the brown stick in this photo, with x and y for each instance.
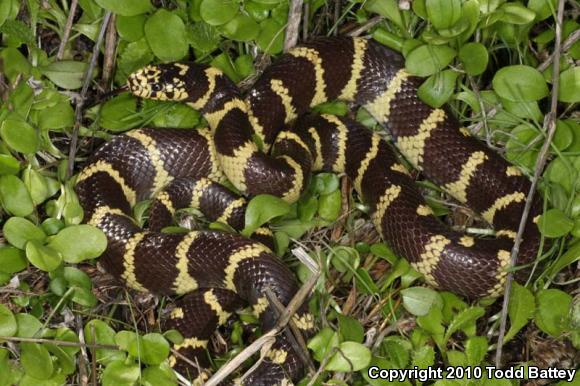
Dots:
(79, 106)
(109, 59)
(550, 127)
(67, 29)
(293, 26)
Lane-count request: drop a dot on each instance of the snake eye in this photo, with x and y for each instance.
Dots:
(156, 87)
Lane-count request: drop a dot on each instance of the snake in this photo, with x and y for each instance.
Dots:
(267, 141)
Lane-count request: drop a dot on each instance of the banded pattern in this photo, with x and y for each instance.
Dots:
(218, 271)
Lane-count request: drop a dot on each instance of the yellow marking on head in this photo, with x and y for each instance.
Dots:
(184, 282)
(260, 306)
(278, 88)
(141, 80)
(177, 313)
(162, 177)
(458, 189)
(467, 241)
(465, 132)
(247, 252)
(129, 262)
(216, 173)
(172, 360)
(212, 301)
(502, 203)
(289, 135)
(293, 194)
(424, 210)
(430, 257)
(211, 73)
(512, 171)
(349, 90)
(215, 117)
(390, 195)
(183, 68)
(105, 167)
(313, 57)
(413, 146)
(504, 258)
(507, 233)
(380, 107)
(399, 168)
(191, 342)
(364, 165)
(200, 186)
(304, 322)
(340, 162)
(225, 216)
(277, 356)
(234, 166)
(317, 162)
(102, 211)
(164, 199)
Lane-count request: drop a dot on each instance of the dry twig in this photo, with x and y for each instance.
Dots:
(293, 28)
(67, 29)
(550, 127)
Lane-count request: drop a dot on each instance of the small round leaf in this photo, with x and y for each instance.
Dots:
(520, 83)
(79, 242)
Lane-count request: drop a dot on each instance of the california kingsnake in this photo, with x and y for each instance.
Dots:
(220, 271)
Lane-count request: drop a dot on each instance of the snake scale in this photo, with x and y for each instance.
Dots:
(219, 272)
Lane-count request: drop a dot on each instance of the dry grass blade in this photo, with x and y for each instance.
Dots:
(293, 28)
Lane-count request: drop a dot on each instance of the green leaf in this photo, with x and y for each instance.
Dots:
(119, 373)
(474, 57)
(325, 183)
(520, 83)
(204, 37)
(350, 329)
(67, 74)
(323, 342)
(424, 357)
(98, 332)
(151, 348)
(120, 113)
(329, 205)
(543, 8)
(398, 350)
(476, 350)
(419, 300)
(19, 135)
(262, 209)
(521, 309)
(241, 28)
(554, 223)
(167, 47)
(36, 361)
(161, 375)
(15, 197)
(12, 260)
(443, 13)
(126, 7)
(552, 311)
(9, 164)
(8, 326)
(351, 356)
(271, 36)
(28, 325)
(5, 7)
(438, 88)
(516, 13)
(218, 12)
(463, 319)
(44, 258)
(79, 242)
(18, 231)
(131, 28)
(570, 85)
(429, 59)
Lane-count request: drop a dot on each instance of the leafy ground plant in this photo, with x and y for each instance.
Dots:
(507, 69)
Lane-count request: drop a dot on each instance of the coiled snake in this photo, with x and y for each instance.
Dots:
(217, 271)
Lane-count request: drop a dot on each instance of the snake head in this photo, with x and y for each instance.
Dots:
(165, 82)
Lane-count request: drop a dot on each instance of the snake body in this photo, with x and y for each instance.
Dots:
(218, 271)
